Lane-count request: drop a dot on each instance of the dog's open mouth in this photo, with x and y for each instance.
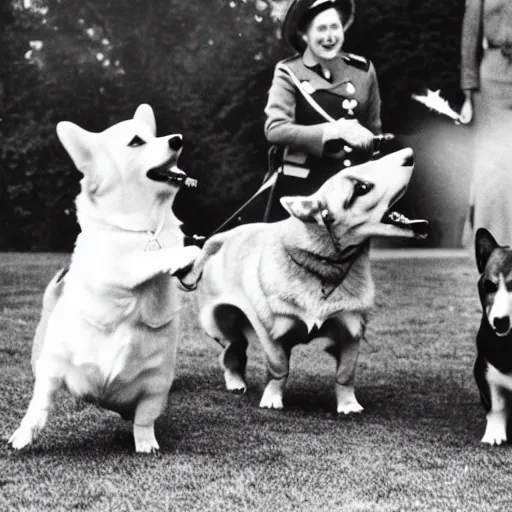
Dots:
(170, 174)
(418, 226)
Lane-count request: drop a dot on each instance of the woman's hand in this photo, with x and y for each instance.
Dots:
(466, 112)
(351, 132)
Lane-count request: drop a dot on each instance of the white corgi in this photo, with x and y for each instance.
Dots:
(108, 330)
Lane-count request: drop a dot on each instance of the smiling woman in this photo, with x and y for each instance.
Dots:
(324, 104)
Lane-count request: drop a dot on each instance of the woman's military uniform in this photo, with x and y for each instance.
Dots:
(351, 92)
(297, 129)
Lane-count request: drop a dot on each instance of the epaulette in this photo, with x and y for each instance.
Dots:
(357, 61)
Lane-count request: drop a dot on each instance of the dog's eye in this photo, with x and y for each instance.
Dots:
(136, 142)
(490, 287)
(362, 188)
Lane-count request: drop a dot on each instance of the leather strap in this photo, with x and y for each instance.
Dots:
(306, 95)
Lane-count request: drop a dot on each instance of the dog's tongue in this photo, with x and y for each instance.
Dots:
(419, 226)
(171, 174)
(175, 174)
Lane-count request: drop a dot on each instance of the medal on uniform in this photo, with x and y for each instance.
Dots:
(307, 87)
(349, 105)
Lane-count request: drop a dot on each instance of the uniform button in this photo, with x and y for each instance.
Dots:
(347, 163)
(347, 149)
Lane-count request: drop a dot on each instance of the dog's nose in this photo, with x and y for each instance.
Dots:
(502, 324)
(175, 142)
(409, 159)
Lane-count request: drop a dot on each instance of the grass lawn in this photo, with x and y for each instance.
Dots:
(416, 446)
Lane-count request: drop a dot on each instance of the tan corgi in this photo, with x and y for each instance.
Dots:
(303, 278)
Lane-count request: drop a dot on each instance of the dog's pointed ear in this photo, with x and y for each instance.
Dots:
(77, 142)
(306, 209)
(145, 114)
(484, 245)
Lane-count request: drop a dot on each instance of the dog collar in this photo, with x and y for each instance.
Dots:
(342, 265)
(350, 255)
(345, 256)
(153, 244)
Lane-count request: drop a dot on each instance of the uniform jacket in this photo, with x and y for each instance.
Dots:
(489, 20)
(353, 78)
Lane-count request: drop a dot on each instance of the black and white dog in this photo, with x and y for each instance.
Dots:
(493, 367)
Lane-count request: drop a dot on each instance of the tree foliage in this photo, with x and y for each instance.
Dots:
(205, 66)
(414, 45)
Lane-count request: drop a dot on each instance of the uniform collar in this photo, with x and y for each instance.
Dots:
(312, 63)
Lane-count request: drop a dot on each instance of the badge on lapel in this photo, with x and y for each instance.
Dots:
(349, 105)
(350, 89)
(307, 87)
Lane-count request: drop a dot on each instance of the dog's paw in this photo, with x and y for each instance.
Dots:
(496, 430)
(33, 422)
(350, 408)
(145, 440)
(273, 395)
(234, 382)
(147, 448)
(494, 439)
(346, 400)
(21, 438)
(184, 260)
(271, 402)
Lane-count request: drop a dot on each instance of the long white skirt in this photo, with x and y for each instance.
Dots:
(491, 191)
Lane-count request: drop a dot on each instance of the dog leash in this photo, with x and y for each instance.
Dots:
(304, 93)
(270, 181)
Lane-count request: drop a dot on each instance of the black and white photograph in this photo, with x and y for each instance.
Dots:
(255, 255)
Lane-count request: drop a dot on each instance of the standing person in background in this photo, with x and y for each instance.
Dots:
(486, 79)
(344, 85)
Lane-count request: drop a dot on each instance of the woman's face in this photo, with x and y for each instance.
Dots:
(325, 35)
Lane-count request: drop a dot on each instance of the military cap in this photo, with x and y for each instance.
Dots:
(301, 12)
